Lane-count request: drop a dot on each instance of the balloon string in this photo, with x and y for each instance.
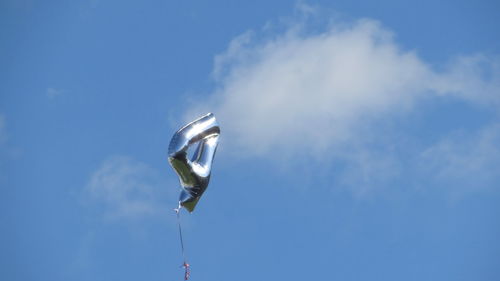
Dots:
(187, 271)
(180, 234)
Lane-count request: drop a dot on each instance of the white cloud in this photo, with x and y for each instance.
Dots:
(324, 95)
(311, 92)
(474, 78)
(126, 189)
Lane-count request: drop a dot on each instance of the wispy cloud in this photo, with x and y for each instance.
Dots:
(3, 132)
(53, 92)
(6, 151)
(126, 189)
(324, 94)
(464, 159)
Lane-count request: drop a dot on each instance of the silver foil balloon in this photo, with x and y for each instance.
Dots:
(194, 174)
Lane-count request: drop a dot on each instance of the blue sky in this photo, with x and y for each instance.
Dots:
(360, 140)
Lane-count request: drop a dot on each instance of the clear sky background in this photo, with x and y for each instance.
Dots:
(360, 140)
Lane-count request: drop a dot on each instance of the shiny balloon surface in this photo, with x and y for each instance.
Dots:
(194, 174)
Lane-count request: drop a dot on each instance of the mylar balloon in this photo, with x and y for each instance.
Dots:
(194, 174)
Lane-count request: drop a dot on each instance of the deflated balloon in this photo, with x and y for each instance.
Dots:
(194, 174)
